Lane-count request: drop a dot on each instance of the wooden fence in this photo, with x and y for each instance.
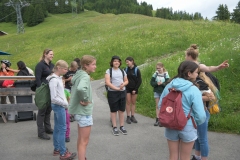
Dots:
(18, 91)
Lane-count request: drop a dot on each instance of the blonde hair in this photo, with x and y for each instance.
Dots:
(61, 64)
(160, 64)
(193, 51)
(46, 51)
(208, 81)
(86, 60)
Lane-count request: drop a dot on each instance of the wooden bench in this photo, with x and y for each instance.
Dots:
(19, 91)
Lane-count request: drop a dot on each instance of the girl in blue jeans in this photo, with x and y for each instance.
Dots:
(209, 92)
(59, 104)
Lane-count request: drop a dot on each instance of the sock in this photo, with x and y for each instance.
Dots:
(156, 119)
(197, 157)
(121, 126)
(132, 115)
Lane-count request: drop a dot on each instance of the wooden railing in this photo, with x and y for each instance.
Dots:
(19, 91)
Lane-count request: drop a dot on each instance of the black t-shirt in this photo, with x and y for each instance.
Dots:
(68, 84)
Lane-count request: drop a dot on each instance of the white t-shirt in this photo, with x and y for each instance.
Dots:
(161, 76)
(117, 77)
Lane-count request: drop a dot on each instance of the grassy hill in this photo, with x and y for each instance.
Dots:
(147, 39)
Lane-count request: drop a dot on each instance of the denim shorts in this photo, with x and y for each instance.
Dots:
(83, 121)
(188, 134)
(157, 95)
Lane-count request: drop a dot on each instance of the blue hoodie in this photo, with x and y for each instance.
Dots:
(191, 95)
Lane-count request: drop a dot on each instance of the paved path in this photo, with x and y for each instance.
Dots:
(144, 141)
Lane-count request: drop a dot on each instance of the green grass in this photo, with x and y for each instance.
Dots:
(147, 39)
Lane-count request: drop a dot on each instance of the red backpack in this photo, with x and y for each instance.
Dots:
(171, 114)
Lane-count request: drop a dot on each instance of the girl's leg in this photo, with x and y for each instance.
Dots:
(128, 104)
(121, 118)
(133, 101)
(157, 110)
(173, 147)
(114, 119)
(67, 124)
(83, 139)
(201, 145)
(185, 150)
(59, 128)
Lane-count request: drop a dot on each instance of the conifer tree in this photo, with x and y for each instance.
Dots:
(236, 13)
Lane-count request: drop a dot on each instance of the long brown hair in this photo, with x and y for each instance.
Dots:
(46, 51)
(208, 81)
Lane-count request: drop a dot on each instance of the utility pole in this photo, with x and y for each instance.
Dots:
(17, 6)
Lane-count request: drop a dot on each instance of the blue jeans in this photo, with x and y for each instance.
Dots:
(59, 128)
(201, 144)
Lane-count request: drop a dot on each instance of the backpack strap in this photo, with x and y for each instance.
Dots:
(189, 116)
(110, 70)
(122, 73)
(136, 68)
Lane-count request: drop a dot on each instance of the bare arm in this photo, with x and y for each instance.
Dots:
(205, 68)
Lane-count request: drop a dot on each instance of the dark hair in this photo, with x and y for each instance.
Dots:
(115, 57)
(184, 68)
(21, 65)
(130, 59)
(78, 62)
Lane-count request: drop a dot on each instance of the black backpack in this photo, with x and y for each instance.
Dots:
(214, 80)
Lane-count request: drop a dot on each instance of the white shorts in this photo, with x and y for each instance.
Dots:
(83, 121)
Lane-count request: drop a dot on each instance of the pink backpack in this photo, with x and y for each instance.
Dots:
(171, 114)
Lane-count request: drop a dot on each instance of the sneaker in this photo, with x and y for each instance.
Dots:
(67, 156)
(115, 131)
(128, 120)
(159, 124)
(133, 119)
(123, 130)
(193, 157)
(156, 123)
(67, 139)
(57, 152)
(44, 137)
(71, 118)
(49, 131)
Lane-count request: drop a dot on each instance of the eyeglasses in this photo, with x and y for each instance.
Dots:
(158, 68)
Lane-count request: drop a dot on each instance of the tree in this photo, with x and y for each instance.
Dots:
(31, 19)
(222, 13)
(236, 13)
(38, 14)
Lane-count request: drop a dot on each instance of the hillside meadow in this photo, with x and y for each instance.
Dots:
(147, 39)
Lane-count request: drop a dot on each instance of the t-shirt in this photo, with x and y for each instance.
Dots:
(117, 78)
(161, 76)
(68, 84)
(67, 94)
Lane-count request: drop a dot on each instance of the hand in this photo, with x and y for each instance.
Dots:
(225, 64)
(121, 86)
(210, 96)
(133, 92)
(84, 103)
(159, 83)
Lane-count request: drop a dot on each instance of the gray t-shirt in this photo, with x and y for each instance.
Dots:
(117, 78)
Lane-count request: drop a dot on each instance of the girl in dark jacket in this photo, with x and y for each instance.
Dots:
(134, 82)
(158, 82)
